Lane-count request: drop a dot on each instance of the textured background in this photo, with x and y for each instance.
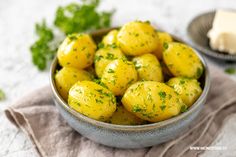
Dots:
(18, 76)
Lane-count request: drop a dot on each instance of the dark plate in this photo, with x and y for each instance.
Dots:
(197, 31)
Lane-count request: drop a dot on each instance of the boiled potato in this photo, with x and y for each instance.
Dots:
(164, 37)
(152, 101)
(67, 77)
(123, 117)
(181, 60)
(188, 89)
(119, 75)
(104, 56)
(92, 100)
(148, 68)
(77, 51)
(137, 38)
(110, 38)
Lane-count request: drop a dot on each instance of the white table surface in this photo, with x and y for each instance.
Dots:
(18, 76)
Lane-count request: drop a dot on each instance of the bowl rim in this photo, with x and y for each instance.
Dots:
(135, 128)
(207, 50)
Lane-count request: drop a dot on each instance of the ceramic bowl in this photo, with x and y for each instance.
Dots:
(197, 31)
(127, 136)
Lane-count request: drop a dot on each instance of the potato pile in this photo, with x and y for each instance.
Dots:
(136, 75)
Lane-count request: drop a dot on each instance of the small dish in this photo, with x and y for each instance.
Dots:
(129, 136)
(197, 31)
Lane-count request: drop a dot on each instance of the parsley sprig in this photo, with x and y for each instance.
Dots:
(41, 50)
(72, 18)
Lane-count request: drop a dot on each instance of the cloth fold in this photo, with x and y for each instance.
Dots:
(36, 115)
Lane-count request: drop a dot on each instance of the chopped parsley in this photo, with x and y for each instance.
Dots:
(99, 101)
(72, 37)
(165, 45)
(136, 108)
(184, 108)
(230, 71)
(113, 45)
(199, 72)
(110, 56)
(101, 45)
(181, 81)
(162, 94)
(2, 95)
(162, 107)
(110, 71)
(97, 58)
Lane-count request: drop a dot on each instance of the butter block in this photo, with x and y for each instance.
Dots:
(223, 33)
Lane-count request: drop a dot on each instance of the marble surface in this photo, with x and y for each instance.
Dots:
(18, 76)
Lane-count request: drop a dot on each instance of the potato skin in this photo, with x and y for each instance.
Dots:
(110, 38)
(188, 89)
(137, 38)
(119, 75)
(148, 68)
(104, 56)
(77, 51)
(181, 60)
(122, 117)
(92, 100)
(152, 101)
(164, 37)
(67, 77)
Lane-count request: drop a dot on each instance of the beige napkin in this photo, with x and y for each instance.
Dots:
(37, 116)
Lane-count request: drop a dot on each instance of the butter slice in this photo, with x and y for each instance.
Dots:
(223, 33)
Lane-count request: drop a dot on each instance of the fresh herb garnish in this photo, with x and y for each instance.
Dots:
(110, 71)
(162, 107)
(101, 45)
(199, 72)
(41, 50)
(97, 58)
(162, 95)
(184, 108)
(230, 71)
(72, 18)
(165, 45)
(110, 56)
(81, 17)
(2, 95)
(136, 108)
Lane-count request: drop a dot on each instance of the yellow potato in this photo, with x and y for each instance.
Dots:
(188, 89)
(104, 56)
(123, 117)
(110, 38)
(181, 60)
(92, 100)
(77, 51)
(164, 37)
(67, 77)
(119, 75)
(148, 68)
(137, 38)
(152, 101)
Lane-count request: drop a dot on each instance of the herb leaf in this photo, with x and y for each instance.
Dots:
(81, 17)
(41, 50)
(72, 18)
(230, 71)
(2, 95)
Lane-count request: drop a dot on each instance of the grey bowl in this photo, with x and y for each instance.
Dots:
(197, 31)
(127, 136)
